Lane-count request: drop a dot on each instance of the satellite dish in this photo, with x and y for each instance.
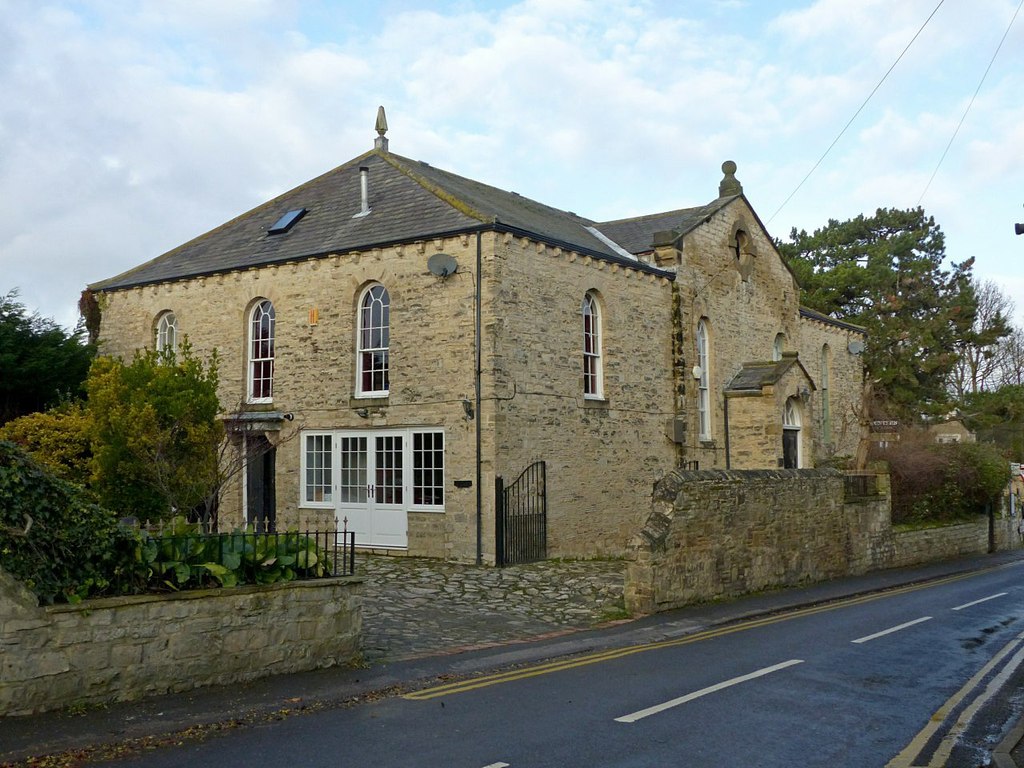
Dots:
(442, 265)
(856, 347)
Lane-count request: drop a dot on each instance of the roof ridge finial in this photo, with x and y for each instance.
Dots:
(729, 185)
(381, 142)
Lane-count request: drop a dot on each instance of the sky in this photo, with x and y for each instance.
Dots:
(128, 127)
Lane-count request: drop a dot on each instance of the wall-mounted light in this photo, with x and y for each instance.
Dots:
(468, 408)
(805, 394)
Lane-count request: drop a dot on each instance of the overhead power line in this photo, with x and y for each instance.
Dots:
(859, 110)
(970, 103)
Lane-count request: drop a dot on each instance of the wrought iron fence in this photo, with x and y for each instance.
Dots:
(193, 560)
(860, 484)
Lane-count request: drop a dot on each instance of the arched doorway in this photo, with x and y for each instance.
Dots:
(791, 434)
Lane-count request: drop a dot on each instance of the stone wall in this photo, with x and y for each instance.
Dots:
(124, 648)
(432, 359)
(719, 533)
(714, 534)
(747, 297)
(821, 341)
(540, 411)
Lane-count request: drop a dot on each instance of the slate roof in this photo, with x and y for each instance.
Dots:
(755, 376)
(636, 234)
(813, 314)
(409, 200)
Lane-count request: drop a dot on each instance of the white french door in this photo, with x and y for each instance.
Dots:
(376, 477)
(372, 489)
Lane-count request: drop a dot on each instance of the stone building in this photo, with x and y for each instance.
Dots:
(394, 337)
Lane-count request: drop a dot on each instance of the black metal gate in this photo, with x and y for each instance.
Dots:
(521, 517)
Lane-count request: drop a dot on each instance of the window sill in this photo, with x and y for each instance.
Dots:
(595, 402)
(366, 401)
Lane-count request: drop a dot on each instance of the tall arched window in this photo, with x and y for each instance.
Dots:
(778, 345)
(166, 332)
(261, 352)
(703, 381)
(374, 340)
(593, 375)
(826, 408)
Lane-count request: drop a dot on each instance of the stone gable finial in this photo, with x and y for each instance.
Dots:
(729, 185)
(381, 142)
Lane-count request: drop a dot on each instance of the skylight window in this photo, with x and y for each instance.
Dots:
(286, 222)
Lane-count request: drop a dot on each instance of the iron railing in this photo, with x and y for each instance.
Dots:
(860, 484)
(193, 560)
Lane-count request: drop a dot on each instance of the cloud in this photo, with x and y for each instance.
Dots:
(129, 128)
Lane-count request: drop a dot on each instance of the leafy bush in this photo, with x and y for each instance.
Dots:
(52, 538)
(183, 557)
(944, 482)
(58, 439)
(155, 432)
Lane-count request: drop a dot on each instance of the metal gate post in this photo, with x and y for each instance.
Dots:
(499, 521)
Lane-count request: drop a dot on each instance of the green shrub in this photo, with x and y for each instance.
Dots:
(52, 537)
(944, 482)
(58, 439)
(183, 557)
(154, 432)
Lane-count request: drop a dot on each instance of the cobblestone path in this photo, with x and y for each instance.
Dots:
(417, 606)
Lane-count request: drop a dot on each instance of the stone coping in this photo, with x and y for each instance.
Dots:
(197, 594)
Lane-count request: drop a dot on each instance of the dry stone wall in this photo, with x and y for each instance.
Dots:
(116, 649)
(714, 534)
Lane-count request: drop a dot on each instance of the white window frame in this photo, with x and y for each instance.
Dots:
(703, 381)
(409, 474)
(593, 363)
(365, 346)
(264, 355)
(167, 332)
(328, 498)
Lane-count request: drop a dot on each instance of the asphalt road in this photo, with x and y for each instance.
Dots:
(871, 681)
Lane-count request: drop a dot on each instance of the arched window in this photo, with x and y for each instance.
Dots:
(778, 345)
(261, 352)
(826, 408)
(703, 381)
(374, 324)
(593, 378)
(166, 332)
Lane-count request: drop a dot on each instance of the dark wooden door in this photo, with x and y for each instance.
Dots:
(261, 496)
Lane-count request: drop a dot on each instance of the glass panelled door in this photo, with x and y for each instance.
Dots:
(371, 488)
(390, 522)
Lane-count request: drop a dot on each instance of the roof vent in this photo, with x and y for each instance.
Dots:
(729, 185)
(286, 222)
(364, 191)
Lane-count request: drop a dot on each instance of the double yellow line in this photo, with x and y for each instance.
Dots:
(560, 665)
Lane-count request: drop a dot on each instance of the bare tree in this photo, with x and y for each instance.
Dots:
(978, 365)
(1010, 360)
